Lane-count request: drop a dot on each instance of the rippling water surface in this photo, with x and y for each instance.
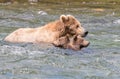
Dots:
(100, 60)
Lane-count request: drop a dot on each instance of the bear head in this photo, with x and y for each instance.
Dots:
(76, 42)
(72, 25)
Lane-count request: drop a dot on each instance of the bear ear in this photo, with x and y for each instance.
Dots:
(70, 17)
(63, 18)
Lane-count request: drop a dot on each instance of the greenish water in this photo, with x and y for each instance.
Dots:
(100, 60)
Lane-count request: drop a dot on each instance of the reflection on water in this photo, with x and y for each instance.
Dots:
(100, 60)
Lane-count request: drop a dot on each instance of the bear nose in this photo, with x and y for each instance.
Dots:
(85, 33)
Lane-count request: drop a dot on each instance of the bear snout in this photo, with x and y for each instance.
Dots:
(85, 44)
(82, 46)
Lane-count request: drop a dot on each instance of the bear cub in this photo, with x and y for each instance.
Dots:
(75, 43)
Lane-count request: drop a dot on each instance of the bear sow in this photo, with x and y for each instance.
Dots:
(66, 24)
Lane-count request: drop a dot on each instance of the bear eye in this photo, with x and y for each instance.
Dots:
(77, 26)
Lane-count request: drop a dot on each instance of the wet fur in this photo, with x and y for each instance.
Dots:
(67, 24)
(76, 42)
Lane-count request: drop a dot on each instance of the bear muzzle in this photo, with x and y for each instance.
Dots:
(86, 44)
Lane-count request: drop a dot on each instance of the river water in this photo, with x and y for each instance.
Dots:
(100, 60)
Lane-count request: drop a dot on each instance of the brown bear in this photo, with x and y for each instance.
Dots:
(67, 24)
(76, 42)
